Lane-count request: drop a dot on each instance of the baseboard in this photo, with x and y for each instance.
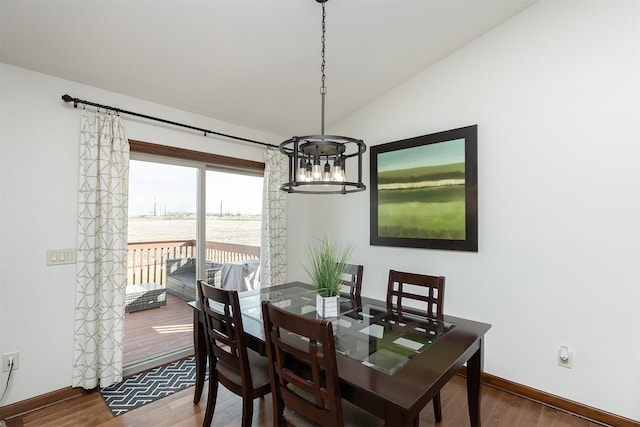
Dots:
(578, 409)
(38, 402)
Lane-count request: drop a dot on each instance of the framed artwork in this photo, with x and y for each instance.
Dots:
(424, 191)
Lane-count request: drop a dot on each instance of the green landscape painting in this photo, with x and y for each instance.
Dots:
(421, 192)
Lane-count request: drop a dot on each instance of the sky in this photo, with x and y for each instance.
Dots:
(171, 189)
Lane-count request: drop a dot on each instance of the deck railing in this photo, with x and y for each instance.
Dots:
(146, 261)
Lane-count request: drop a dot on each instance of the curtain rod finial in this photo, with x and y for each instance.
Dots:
(67, 98)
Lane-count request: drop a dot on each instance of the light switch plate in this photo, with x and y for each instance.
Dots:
(61, 256)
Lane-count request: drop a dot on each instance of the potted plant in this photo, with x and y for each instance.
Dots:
(327, 262)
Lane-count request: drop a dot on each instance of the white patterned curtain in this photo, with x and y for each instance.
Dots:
(102, 251)
(273, 251)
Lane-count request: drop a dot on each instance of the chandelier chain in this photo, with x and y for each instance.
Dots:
(322, 40)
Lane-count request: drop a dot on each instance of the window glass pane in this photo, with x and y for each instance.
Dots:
(162, 202)
(162, 223)
(233, 226)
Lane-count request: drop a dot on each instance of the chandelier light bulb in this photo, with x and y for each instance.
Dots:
(302, 171)
(327, 172)
(338, 173)
(317, 170)
(307, 171)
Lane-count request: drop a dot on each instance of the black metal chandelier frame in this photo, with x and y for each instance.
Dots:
(317, 163)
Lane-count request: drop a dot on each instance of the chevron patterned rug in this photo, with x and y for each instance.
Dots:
(150, 385)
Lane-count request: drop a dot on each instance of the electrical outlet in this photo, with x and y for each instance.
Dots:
(5, 361)
(565, 357)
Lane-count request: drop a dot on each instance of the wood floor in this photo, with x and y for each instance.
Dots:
(149, 333)
(499, 408)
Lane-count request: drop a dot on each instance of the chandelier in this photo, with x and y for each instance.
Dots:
(318, 163)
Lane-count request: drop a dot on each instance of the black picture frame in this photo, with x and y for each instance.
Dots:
(424, 191)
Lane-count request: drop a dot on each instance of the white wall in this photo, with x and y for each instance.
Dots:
(555, 94)
(39, 150)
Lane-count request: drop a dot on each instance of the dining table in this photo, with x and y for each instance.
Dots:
(389, 366)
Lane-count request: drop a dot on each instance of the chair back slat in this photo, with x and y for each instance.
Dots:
(404, 286)
(352, 280)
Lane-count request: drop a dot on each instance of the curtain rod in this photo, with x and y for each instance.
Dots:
(76, 101)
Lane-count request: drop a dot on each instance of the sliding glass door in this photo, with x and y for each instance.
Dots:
(187, 221)
(161, 261)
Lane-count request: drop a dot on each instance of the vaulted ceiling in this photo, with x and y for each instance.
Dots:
(255, 63)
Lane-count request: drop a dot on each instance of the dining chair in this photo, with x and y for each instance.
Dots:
(352, 284)
(418, 287)
(304, 372)
(241, 370)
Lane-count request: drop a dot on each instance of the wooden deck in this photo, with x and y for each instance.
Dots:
(151, 333)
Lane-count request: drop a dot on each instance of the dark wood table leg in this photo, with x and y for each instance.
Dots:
(396, 417)
(474, 382)
(199, 348)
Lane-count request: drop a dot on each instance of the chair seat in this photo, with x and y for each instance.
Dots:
(259, 370)
(352, 415)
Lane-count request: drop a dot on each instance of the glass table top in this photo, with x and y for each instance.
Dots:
(296, 299)
(368, 334)
(377, 339)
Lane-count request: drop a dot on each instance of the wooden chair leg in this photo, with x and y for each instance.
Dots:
(212, 396)
(278, 406)
(247, 412)
(437, 408)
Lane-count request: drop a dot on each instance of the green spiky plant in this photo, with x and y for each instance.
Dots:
(327, 262)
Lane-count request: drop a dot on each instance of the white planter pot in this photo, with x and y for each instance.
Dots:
(327, 306)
